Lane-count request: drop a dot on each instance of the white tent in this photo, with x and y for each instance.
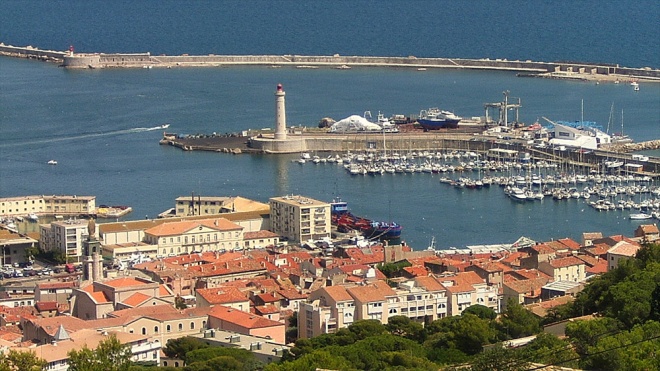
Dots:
(354, 123)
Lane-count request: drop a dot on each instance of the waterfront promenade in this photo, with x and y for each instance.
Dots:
(527, 68)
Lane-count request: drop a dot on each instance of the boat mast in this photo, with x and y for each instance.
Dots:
(621, 122)
(609, 121)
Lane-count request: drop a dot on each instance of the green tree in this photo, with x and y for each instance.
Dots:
(109, 355)
(499, 358)
(17, 360)
(83, 359)
(549, 349)
(655, 304)
(404, 326)
(292, 330)
(516, 321)
(178, 348)
(466, 333)
(391, 270)
(481, 311)
(179, 303)
(365, 328)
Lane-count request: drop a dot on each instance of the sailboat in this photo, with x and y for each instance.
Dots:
(620, 137)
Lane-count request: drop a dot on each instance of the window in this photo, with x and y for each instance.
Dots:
(144, 331)
(168, 328)
(180, 326)
(192, 325)
(155, 329)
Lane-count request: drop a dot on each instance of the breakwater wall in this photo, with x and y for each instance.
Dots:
(31, 53)
(147, 60)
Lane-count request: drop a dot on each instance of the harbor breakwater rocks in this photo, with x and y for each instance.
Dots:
(634, 147)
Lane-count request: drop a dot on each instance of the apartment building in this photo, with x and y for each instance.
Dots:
(300, 218)
(330, 308)
(465, 289)
(66, 236)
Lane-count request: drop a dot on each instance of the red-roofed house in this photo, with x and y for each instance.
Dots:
(466, 289)
(525, 291)
(621, 251)
(230, 319)
(46, 308)
(564, 269)
(648, 232)
(54, 291)
(222, 295)
(96, 300)
(260, 239)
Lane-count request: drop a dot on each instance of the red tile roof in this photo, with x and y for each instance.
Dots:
(241, 318)
(124, 282)
(136, 299)
(416, 270)
(98, 296)
(337, 293)
(565, 262)
(222, 295)
(429, 283)
(571, 244)
(178, 228)
(624, 248)
(376, 291)
(46, 306)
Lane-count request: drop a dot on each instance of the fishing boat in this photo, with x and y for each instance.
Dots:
(435, 118)
(346, 222)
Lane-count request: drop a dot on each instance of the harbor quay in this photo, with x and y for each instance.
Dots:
(403, 143)
(527, 68)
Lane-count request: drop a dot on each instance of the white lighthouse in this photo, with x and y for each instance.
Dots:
(280, 114)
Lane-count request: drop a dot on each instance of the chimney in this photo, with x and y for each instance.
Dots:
(227, 265)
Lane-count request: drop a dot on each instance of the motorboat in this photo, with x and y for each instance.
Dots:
(52, 162)
(640, 216)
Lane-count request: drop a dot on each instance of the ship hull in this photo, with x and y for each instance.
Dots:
(438, 124)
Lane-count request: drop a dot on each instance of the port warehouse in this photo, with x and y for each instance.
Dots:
(100, 60)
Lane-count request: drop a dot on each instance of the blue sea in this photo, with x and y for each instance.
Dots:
(100, 125)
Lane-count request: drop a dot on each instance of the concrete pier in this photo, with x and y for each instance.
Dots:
(580, 71)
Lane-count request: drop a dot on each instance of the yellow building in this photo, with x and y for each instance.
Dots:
(300, 218)
(47, 205)
(195, 236)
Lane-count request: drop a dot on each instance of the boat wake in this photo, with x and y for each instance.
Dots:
(82, 136)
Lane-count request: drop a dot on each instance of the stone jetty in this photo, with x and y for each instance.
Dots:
(565, 70)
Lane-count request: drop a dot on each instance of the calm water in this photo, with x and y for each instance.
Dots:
(624, 32)
(99, 125)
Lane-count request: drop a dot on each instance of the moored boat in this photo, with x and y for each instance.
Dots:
(640, 216)
(435, 118)
(346, 222)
